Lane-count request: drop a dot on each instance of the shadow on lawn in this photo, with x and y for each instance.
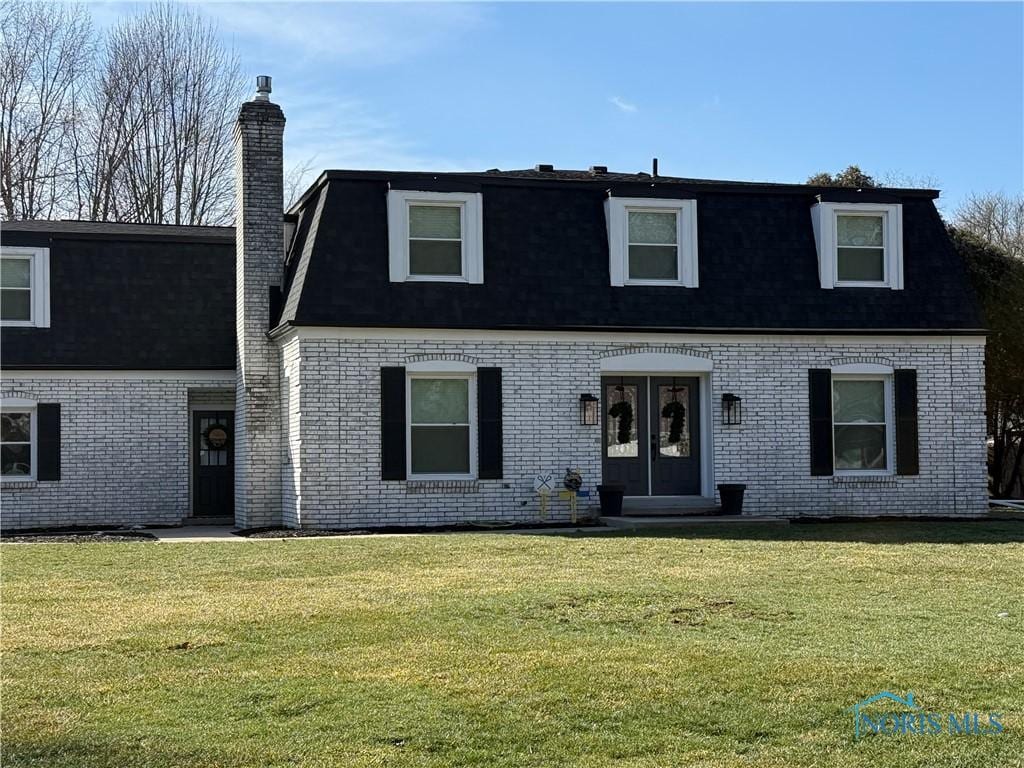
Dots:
(871, 532)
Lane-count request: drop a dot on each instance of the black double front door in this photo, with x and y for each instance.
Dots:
(651, 427)
(213, 464)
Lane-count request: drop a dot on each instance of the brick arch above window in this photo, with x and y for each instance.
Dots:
(858, 359)
(18, 397)
(441, 363)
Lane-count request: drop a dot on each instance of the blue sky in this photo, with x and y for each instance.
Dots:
(759, 91)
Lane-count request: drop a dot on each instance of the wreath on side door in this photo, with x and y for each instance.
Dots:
(215, 437)
(623, 411)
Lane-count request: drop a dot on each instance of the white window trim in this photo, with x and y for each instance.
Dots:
(39, 285)
(890, 426)
(823, 220)
(617, 220)
(470, 379)
(471, 207)
(23, 406)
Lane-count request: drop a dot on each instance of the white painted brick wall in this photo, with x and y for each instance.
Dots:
(124, 452)
(125, 457)
(334, 429)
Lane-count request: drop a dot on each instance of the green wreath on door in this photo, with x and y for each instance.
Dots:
(623, 411)
(677, 412)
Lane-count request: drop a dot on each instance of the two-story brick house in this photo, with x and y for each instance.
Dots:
(415, 348)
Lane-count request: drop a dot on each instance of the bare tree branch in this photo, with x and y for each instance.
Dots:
(296, 180)
(996, 218)
(46, 50)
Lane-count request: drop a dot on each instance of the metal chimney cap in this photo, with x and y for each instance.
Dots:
(263, 88)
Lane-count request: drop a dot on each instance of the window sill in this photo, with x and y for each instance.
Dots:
(865, 478)
(862, 285)
(656, 283)
(436, 279)
(11, 484)
(442, 486)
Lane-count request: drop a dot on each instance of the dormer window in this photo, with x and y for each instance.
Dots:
(435, 236)
(860, 248)
(25, 287)
(652, 241)
(859, 245)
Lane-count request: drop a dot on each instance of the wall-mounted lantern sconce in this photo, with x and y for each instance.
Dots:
(588, 410)
(732, 409)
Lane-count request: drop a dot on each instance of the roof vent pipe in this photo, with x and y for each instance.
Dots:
(654, 166)
(262, 88)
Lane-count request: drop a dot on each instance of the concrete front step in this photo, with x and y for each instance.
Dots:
(192, 521)
(695, 511)
(635, 522)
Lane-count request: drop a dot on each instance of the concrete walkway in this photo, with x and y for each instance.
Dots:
(192, 533)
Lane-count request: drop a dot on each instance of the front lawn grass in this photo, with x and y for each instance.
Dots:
(736, 646)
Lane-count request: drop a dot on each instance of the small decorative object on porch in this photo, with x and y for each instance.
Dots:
(543, 484)
(731, 409)
(731, 495)
(215, 437)
(573, 480)
(588, 410)
(622, 411)
(611, 498)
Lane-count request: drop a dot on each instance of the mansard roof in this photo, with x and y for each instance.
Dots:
(129, 296)
(546, 259)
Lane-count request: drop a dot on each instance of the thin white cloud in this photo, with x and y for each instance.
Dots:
(348, 134)
(622, 104)
(350, 33)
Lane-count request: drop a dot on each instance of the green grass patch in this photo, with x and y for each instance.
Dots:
(702, 647)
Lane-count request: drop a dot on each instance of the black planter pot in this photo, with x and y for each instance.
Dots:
(732, 498)
(611, 499)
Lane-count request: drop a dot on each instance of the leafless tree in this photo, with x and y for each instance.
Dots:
(46, 49)
(296, 180)
(136, 128)
(162, 115)
(996, 218)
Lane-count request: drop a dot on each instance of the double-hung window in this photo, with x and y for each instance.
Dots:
(860, 248)
(859, 245)
(442, 428)
(862, 423)
(652, 241)
(435, 236)
(24, 287)
(17, 443)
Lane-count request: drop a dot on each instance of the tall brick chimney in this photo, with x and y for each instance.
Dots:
(259, 258)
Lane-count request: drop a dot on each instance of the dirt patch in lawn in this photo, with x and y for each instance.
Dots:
(77, 537)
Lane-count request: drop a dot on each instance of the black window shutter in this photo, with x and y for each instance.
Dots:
(488, 404)
(392, 423)
(905, 385)
(821, 421)
(48, 436)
